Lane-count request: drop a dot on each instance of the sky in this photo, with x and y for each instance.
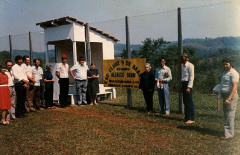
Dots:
(148, 18)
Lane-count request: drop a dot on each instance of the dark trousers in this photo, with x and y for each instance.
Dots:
(64, 86)
(148, 97)
(21, 97)
(189, 108)
(49, 94)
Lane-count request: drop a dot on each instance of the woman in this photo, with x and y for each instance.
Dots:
(228, 89)
(93, 84)
(147, 83)
(48, 80)
(5, 99)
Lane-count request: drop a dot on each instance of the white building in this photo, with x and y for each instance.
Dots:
(68, 35)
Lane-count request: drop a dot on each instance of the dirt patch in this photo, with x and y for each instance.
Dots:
(114, 118)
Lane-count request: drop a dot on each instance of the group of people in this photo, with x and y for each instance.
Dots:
(23, 83)
(162, 77)
(86, 81)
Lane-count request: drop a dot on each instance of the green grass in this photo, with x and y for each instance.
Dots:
(112, 128)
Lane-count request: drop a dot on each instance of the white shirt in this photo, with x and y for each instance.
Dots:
(27, 69)
(63, 70)
(161, 73)
(38, 72)
(227, 79)
(10, 78)
(188, 73)
(80, 71)
(19, 73)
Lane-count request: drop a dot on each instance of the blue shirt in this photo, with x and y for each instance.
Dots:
(48, 75)
(163, 73)
(227, 79)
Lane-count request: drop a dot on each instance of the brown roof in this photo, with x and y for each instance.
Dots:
(67, 20)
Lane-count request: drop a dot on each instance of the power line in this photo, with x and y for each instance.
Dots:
(7, 2)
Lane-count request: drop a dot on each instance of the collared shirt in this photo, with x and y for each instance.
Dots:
(10, 78)
(19, 73)
(27, 69)
(80, 71)
(63, 70)
(227, 79)
(38, 72)
(163, 73)
(188, 73)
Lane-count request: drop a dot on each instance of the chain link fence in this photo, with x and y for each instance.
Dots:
(209, 33)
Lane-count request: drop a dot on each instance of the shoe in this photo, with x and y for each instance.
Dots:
(4, 123)
(149, 113)
(91, 103)
(225, 138)
(32, 110)
(190, 122)
(167, 114)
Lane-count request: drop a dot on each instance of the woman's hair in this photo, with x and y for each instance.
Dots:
(2, 67)
(148, 64)
(93, 63)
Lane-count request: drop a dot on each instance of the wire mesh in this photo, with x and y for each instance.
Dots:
(20, 44)
(210, 33)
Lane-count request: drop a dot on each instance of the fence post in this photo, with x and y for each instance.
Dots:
(30, 47)
(88, 46)
(180, 51)
(10, 46)
(47, 60)
(129, 91)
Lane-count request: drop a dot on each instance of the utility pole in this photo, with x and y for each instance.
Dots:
(180, 51)
(129, 91)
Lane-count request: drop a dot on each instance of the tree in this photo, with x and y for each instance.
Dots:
(4, 55)
(124, 54)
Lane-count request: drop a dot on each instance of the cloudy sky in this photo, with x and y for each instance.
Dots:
(150, 18)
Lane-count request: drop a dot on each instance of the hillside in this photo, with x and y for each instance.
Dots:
(202, 46)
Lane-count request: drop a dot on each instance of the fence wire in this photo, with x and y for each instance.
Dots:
(210, 33)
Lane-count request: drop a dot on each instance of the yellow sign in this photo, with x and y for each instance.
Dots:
(123, 73)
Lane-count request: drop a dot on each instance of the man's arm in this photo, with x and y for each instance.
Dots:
(234, 90)
(71, 73)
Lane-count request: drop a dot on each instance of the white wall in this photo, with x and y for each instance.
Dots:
(79, 32)
(108, 44)
(63, 32)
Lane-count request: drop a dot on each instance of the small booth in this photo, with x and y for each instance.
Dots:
(75, 38)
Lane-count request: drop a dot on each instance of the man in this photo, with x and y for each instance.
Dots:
(38, 74)
(29, 72)
(11, 112)
(163, 76)
(229, 84)
(21, 83)
(187, 84)
(80, 76)
(62, 73)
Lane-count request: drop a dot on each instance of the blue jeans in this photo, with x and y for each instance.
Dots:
(189, 108)
(229, 114)
(163, 98)
(81, 87)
